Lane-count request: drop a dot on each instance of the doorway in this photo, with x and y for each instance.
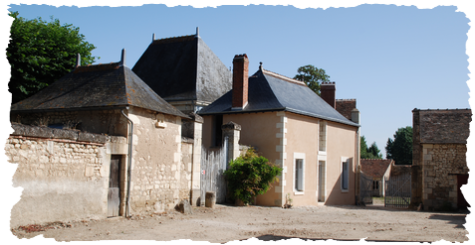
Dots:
(466, 191)
(113, 197)
(321, 181)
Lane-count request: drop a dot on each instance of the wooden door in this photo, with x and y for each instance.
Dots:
(113, 198)
(466, 191)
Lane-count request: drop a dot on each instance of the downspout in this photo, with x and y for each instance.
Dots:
(129, 169)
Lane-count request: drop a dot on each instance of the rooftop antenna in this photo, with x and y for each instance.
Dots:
(78, 59)
(153, 37)
(122, 59)
(197, 32)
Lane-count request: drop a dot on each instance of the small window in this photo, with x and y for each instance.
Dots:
(299, 175)
(344, 175)
(323, 136)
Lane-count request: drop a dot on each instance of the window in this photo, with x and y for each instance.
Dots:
(299, 173)
(344, 175)
(322, 136)
(375, 185)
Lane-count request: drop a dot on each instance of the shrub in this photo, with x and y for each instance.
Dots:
(250, 175)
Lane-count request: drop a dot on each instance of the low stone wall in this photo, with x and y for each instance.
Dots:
(63, 173)
(442, 163)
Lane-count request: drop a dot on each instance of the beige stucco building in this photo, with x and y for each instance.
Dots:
(295, 129)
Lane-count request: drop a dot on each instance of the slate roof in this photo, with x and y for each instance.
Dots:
(96, 86)
(269, 91)
(183, 68)
(445, 126)
(375, 168)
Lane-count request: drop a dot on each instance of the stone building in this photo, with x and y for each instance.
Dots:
(439, 158)
(292, 127)
(107, 100)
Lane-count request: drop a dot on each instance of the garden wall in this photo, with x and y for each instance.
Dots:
(63, 173)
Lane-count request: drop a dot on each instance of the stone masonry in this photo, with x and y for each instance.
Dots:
(64, 174)
(439, 157)
(442, 163)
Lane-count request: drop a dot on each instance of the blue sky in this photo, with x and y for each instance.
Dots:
(390, 58)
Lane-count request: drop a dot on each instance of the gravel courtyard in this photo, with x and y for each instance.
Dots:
(228, 223)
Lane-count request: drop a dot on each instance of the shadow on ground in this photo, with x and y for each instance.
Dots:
(463, 221)
(277, 240)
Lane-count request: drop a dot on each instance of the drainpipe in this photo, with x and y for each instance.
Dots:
(129, 169)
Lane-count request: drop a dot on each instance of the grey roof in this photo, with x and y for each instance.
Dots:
(94, 87)
(183, 68)
(269, 91)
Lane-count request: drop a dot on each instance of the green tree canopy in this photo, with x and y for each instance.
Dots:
(400, 149)
(371, 152)
(41, 52)
(312, 76)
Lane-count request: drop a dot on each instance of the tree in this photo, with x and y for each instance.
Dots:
(371, 152)
(374, 150)
(41, 52)
(400, 149)
(312, 76)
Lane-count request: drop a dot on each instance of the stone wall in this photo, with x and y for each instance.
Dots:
(109, 122)
(156, 162)
(63, 173)
(442, 163)
(445, 126)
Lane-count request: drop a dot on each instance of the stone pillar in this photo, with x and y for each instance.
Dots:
(196, 158)
(233, 132)
(417, 163)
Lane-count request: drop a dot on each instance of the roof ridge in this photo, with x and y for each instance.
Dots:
(345, 99)
(282, 77)
(171, 39)
(98, 67)
(456, 109)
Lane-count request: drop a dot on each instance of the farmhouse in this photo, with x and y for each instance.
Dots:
(294, 128)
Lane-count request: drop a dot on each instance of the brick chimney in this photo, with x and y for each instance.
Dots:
(327, 90)
(240, 81)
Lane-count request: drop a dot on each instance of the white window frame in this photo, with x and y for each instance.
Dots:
(298, 156)
(347, 161)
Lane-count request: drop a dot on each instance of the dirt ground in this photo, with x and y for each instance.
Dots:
(228, 223)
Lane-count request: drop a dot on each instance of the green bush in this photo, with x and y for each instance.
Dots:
(250, 175)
